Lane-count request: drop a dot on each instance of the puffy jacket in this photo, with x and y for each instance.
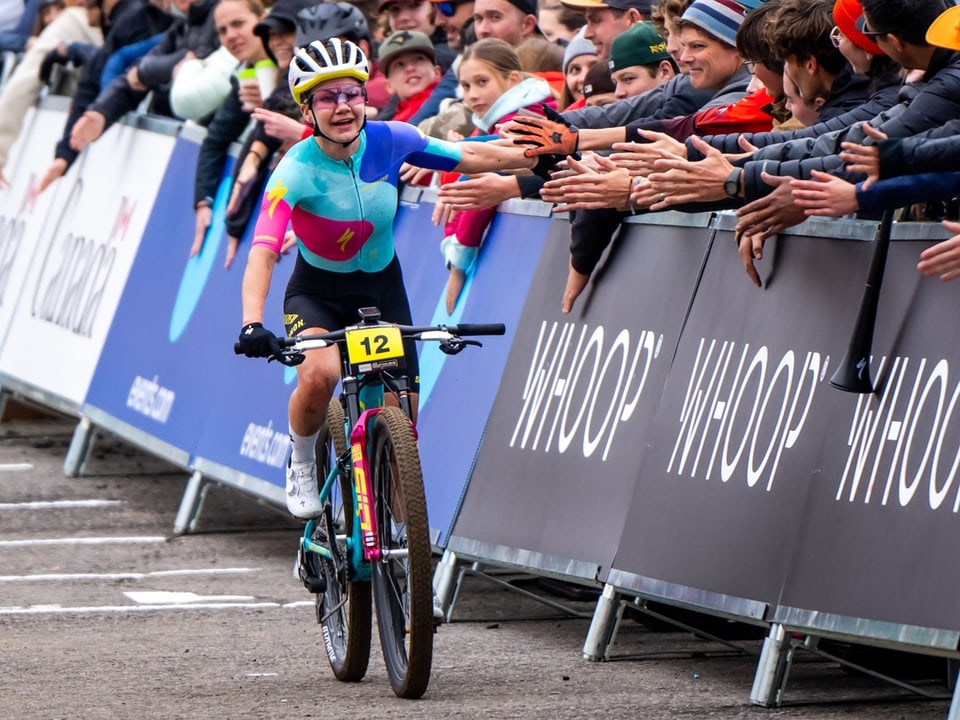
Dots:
(933, 151)
(907, 190)
(201, 85)
(937, 103)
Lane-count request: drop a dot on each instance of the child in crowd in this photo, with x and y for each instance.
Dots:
(495, 88)
(578, 57)
(407, 60)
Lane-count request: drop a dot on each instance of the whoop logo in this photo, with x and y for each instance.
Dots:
(582, 385)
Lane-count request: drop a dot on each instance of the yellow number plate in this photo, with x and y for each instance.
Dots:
(374, 344)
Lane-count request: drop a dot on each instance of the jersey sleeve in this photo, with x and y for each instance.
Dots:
(276, 207)
(424, 151)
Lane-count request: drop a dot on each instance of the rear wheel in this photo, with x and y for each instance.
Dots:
(403, 580)
(343, 609)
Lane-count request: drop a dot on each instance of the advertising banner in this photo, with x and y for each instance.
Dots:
(559, 460)
(879, 521)
(23, 211)
(83, 255)
(457, 392)
(170, 351)
(722, 489)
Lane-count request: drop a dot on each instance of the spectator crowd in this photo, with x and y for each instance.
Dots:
(776, 110)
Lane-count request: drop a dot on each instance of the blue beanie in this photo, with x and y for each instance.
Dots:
(577, 47)
(718, 18)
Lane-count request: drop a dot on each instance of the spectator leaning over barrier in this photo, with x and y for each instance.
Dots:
(900, 171)
(509, 20)
(342, 214)
(126, 23)
(764, 181)
(558, 23)
(47, 11)
(235, 21)
(22, 89)
(191, 36)
(639, 61)
(864, 56)
(605, 19)
(496, 87)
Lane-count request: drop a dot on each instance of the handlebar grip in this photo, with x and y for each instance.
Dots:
(284, 342)
(481, 329)
(236, 349)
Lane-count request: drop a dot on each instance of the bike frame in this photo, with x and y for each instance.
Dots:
(363, 396)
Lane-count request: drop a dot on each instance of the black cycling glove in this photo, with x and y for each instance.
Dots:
(257, 341)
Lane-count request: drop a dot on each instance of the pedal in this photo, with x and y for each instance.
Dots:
(308, 568)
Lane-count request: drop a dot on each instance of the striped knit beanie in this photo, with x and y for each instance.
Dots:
(719, 18)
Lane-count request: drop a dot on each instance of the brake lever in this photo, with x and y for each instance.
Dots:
(453, 347)
(290, 358)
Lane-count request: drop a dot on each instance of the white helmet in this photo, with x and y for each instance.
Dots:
(324, 60)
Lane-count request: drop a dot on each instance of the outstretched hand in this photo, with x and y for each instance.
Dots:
(541, 136)
(943, 259)
(825, 195)
(864, 158)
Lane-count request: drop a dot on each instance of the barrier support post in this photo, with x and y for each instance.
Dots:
(954, 713)
(603, 625)
(771, 675)
(445, 579)
(75, 463)
(190, 504)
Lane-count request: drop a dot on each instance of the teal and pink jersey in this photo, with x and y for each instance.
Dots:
(342, 211)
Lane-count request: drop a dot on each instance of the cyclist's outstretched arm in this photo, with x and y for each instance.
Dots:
(491, 157)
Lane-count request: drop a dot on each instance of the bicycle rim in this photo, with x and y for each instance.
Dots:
(402, 587)
(343, 610)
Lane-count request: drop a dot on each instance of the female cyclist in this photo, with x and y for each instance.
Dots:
(339, 191)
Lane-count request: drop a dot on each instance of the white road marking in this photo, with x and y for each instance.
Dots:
(59, 577)
(261, 674)
(15, 467)
(58, 610)
(164, 597)
(115, 540)
(50, 504)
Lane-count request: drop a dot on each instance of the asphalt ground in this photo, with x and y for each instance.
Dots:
(105, 616)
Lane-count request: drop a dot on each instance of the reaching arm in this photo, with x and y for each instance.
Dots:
(490, 157)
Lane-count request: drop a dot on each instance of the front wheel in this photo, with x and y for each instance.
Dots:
(403, 579)
(343, 609)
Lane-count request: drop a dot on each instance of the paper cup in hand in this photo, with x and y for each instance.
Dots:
(266, 72)
(246, 77)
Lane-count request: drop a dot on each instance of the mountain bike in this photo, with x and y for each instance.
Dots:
(373, 533)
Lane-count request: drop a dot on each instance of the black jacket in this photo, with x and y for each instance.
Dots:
(130, 21)
(936, 104)
(195, 33)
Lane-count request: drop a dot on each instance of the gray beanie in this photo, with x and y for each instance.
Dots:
(577, 47)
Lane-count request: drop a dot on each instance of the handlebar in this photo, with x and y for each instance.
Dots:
(450, 337)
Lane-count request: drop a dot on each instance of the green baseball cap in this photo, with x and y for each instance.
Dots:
(641, 44)
(401, 42)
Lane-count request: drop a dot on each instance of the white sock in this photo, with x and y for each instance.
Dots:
(304, 446)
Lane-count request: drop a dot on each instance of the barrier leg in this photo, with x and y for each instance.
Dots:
(771, 675)
(445, 580)
(75, 463)
(190, 504)
(603, 626)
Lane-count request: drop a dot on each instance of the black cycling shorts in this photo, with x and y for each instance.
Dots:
(318, 298)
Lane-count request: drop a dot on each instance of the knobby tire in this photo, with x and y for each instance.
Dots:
(347, 629)
(403, 588)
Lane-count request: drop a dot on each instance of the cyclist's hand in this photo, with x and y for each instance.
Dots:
(256, 341)
(204, 216)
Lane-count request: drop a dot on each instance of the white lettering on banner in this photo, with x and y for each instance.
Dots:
(572, 361)
(11, 238)
(149, 398)
(76, 270)
(748, 388)
(265, 445)
(913, 416)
